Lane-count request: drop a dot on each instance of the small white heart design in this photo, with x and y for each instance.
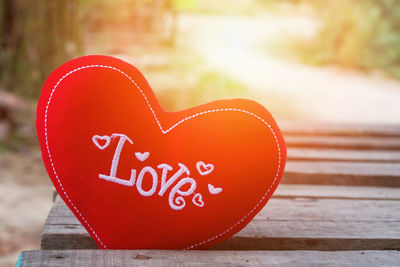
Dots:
(96, 138)
(142, 156)
(198, 200)
(214, 190)
(203, 168)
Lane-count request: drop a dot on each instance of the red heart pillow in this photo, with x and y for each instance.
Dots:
(138, 177)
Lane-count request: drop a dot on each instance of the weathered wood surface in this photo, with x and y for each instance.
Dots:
(342, 173)
(338, 204)
(337, 192)
(344, 142)
(54, 258)
(347, 220)
(348, 155)
(339, 129)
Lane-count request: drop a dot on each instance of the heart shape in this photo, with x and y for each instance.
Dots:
(198, 200)
(214, 190)
(142, 156)
(96, 138)
(203, 168)
(162, 202)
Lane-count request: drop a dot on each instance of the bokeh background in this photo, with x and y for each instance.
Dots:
(305, 60)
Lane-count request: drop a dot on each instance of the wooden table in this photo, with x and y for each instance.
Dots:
(338, 204)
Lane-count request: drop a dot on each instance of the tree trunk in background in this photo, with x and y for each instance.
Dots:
(8, 13)
(36, 37)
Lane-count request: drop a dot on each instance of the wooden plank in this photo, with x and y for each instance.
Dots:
(342, 173)
(284, 224)
(312, 154)
(339, 129)
(324, 224)
(330, 191)
(337, 192)
(343, 142)
(54, 258)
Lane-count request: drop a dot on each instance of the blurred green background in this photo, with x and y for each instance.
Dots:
(37, 36)
(359, 34)
(327, 60)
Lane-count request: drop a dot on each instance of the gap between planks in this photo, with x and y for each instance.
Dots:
(347, 155)
(336, 192)
(339, 129)
(347, 142)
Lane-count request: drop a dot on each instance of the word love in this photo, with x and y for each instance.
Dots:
(176, 194)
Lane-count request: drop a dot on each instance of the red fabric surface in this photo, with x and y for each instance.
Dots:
(104, 96)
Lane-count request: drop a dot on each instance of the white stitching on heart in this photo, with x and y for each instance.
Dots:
(198, 200)
(164, 132)
(208, 168)
(95, 139)
(214, 190)
(142, 156)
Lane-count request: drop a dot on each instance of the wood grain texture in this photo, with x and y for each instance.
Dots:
(343, 142)
(338, 204)
(337, 192)
(348, 155)
(342, 173)
(308, 222)
(54, 258)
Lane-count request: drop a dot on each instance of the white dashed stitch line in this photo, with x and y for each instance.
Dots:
(164, 132)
